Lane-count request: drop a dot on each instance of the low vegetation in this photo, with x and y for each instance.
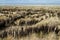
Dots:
(30, 22)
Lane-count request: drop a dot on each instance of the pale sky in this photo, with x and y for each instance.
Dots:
(57, 2)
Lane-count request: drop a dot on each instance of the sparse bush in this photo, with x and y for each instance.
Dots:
(22, 22)
(31, 22)
(58, 14)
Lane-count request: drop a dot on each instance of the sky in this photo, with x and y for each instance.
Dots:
(20, 2)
